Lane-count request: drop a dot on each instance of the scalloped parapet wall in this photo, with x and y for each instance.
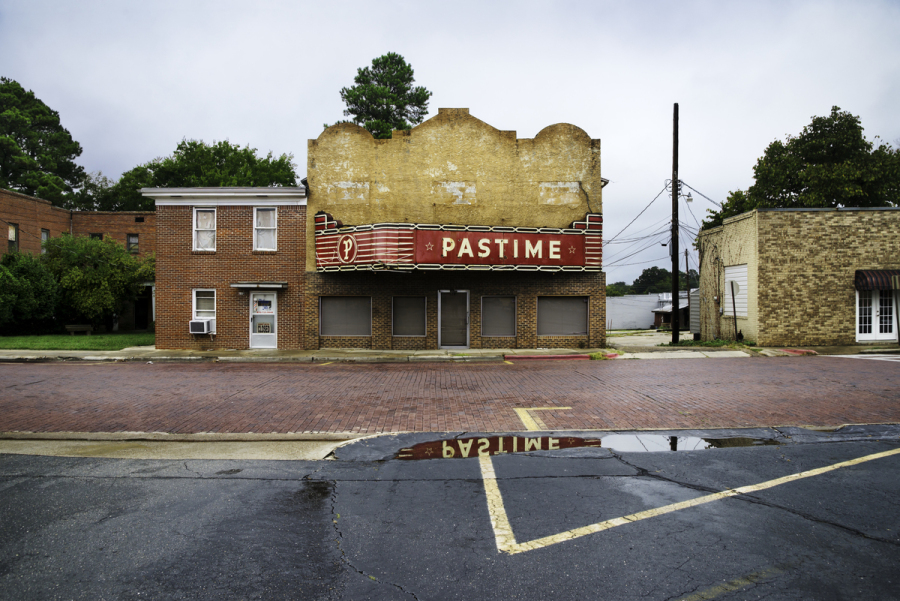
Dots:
(455, 169)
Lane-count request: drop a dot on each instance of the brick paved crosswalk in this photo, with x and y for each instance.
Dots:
(375, 398)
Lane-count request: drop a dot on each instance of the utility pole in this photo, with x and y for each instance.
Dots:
(674, 250)
(687, 274)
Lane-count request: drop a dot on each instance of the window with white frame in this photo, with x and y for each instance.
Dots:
(204, 228)
(265, 232)
(204, 304)
(45, 235)
(562, 315)
(498, 316)
(345, 315)
(409, 316)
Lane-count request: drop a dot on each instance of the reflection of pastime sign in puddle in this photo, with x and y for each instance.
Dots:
(495, 445)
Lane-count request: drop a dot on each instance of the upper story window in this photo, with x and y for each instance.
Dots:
(13, 237)
(265, 232)
(45, 235)
(204, 228)
(96, 236)
(132, 243)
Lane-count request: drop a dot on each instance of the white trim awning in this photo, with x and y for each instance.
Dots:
(261, 285)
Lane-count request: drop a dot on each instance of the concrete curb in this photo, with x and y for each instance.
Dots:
(196, 437)
(542, 357)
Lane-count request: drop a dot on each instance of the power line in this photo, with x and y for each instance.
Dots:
(638, 215)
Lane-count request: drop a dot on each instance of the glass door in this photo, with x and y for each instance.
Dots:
(263, 320)
(453, 317)
(876, 317)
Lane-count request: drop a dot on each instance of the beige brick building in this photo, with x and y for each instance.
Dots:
(452, 235)
(802, 276)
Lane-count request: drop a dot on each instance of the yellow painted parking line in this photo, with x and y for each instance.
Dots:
(734, 585)
(321, 364)
(509, 362)
(506, 541)
(533, 422)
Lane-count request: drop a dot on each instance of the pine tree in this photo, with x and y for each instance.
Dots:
(384, 98)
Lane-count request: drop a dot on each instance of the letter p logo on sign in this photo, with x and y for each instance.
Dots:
(346, 249)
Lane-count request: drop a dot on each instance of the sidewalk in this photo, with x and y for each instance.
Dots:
(634, 346)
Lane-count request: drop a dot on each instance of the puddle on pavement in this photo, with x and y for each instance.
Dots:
(654, 443)
(627, 443)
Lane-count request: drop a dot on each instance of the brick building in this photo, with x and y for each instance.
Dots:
(29, 221)
(802, 276)
(451, 235)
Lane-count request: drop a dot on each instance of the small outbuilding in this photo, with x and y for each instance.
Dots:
(786, 277)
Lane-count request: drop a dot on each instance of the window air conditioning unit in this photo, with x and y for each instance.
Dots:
(203, 326)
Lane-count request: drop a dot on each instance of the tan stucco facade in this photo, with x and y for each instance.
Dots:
(801, 266)
(454, 169)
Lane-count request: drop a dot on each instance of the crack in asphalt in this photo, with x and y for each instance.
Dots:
(344, 557)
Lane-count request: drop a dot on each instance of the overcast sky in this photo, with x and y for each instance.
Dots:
(131, 79)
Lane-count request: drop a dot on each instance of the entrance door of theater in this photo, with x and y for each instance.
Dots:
(875, 315)
(263, 320)
(453, 319)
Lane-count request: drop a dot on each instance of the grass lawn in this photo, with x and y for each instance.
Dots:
(78, 342)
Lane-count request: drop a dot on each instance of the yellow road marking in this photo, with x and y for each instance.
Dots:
(506, 541)
(321, 364)
(734, 585)
(533, 422)
(510, 362)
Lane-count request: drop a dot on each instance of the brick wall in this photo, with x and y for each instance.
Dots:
(807, 265)
(733, 243)
(180, 270)
(31, 215)
(34, 214)
(526, 287)
(117, 225)
(455, 169)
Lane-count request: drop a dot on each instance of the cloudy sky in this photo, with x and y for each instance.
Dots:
(131, 79)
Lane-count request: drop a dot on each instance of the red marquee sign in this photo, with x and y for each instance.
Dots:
(454, 247)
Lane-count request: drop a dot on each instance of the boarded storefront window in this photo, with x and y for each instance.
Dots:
(562, 315)
(498, 316)
(345, 315)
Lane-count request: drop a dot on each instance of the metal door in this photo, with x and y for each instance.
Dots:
(453, 319)
(263, 320)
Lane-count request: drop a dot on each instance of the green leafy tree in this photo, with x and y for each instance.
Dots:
(830, 164)
(193, 164)
(28, 294)
(384, 98)
(95, 277)
(37, 154)
(651, 280)
(618, 289)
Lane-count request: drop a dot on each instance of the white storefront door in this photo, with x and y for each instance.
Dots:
(876, 317)
(263, 320)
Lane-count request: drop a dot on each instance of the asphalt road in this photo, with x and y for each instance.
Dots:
(540, 525)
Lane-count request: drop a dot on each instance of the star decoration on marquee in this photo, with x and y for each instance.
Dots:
(429, 247)
(571, 250)
(429, 451)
